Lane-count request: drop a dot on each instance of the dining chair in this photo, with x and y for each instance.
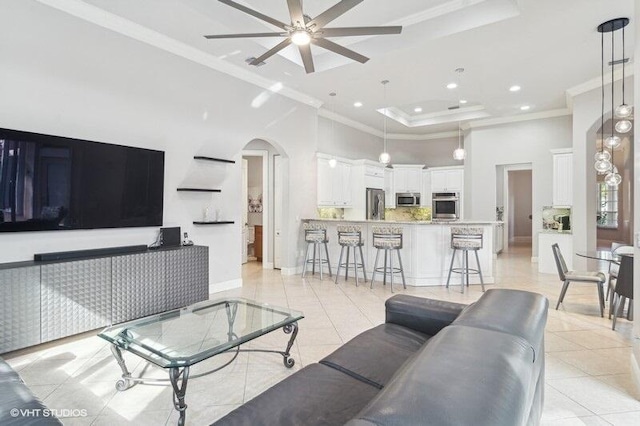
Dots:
(616, 249)
(623, 290)
(567, 276)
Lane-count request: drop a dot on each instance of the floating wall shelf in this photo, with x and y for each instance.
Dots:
(198, 190)
(219, 222)
(219, 160)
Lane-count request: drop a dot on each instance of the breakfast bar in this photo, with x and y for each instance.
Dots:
(426, 252)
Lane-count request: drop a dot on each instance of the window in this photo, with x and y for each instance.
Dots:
(607, 206)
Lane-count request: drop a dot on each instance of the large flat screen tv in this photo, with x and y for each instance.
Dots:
(57, 183)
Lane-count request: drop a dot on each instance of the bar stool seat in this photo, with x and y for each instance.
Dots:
(466, 240)
(315, 235)
(388, 239)
(350, 237)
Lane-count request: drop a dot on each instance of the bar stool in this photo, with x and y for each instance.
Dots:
(387, 239)
(315, 234)
(350, 237)
(466, 240)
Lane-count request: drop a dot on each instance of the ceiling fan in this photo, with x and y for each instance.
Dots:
(303, 31)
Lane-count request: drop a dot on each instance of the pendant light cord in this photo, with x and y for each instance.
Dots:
(623, 102)
(384, 140)
(612, 94)
(602, 89)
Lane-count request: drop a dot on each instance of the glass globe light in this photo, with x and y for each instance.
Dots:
(333, 163)
(459, 154)
(612, 141)
(384, 158)
(603, 166)
(623, 126)
(613, 179)
(602, 155)
(623, 111)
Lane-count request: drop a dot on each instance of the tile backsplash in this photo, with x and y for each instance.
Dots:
(330, 213)
(408, 213)
(552, 217)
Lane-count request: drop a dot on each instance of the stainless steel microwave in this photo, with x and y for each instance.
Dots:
(445, 205)
(407, 199)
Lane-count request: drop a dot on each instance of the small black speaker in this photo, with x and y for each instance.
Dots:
(170, 237)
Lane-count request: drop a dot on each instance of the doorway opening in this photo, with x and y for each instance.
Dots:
(262, 205)
(518, 205)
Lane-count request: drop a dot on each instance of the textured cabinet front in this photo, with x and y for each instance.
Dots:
(138, 286)
(75, 297)
(19, 308)
(187, 276)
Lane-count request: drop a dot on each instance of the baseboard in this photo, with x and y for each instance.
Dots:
(225, 285)
(291, 271)
(534, 259)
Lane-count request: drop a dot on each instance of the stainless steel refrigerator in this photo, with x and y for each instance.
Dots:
(375, 204)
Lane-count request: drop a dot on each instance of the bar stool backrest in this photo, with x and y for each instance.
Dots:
(349, 234)
(387, 237)
(315, 232)
(467, 237)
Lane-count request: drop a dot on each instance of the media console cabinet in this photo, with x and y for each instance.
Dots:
(48, 300)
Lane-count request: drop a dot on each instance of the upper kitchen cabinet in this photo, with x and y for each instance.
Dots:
(562, 177)
(334, 183)
(425, 194)
(364, 174)
(407, 178)
(449, 179)
(389, 193)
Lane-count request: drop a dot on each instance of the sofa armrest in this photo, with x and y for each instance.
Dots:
(427, 316)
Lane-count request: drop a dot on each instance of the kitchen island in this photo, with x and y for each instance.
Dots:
(426, 252)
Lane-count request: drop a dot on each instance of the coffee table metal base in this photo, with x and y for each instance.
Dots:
(178, 377)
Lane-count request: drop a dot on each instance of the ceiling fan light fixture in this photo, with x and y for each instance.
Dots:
(300, 37)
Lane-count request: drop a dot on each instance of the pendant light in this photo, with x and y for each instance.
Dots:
(385, 158)
(332, 161)
(602, 157)
(459, 153)
(603, 166)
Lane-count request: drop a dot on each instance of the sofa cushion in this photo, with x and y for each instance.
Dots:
(463, 376)
(393, 345)
(516, 312)
(427, 316)
(315, 395)
(15, 395)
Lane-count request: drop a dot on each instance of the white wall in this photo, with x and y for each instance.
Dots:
(67, 77)
(254, 184)
(506, 144)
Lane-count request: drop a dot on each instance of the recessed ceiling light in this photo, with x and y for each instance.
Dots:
(357, 104)
(452, 86)
(525, 107)
(463, 101)
(417, 109)
(514, 88)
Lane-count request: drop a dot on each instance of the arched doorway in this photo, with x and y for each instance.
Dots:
(264, 203)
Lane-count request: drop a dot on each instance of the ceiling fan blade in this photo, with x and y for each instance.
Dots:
(269, 53)
(307, 59)
(358, 31)
(248, 35)
(333, 12)
(336, 48)
(255, 13)
(295, 10)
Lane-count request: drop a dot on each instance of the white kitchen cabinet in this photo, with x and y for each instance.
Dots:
(562, 177)
(546, 261)
(425, 193)
(407, 178)
(389, 194)
(447, 180)
(334, 184)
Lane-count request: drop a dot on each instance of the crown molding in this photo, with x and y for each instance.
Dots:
(118, 24)
(349, 122)
(595, 83)
(518, 118)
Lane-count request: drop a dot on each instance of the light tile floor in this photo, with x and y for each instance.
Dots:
(588, 376)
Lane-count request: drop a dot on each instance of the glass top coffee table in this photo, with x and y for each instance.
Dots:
(178, 339)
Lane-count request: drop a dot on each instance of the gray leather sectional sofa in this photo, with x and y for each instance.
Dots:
(431, 363)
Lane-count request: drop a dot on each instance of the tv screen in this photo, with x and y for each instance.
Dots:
(57, 183)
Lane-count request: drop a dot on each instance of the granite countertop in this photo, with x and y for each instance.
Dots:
(555, 231)
(408, 222)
